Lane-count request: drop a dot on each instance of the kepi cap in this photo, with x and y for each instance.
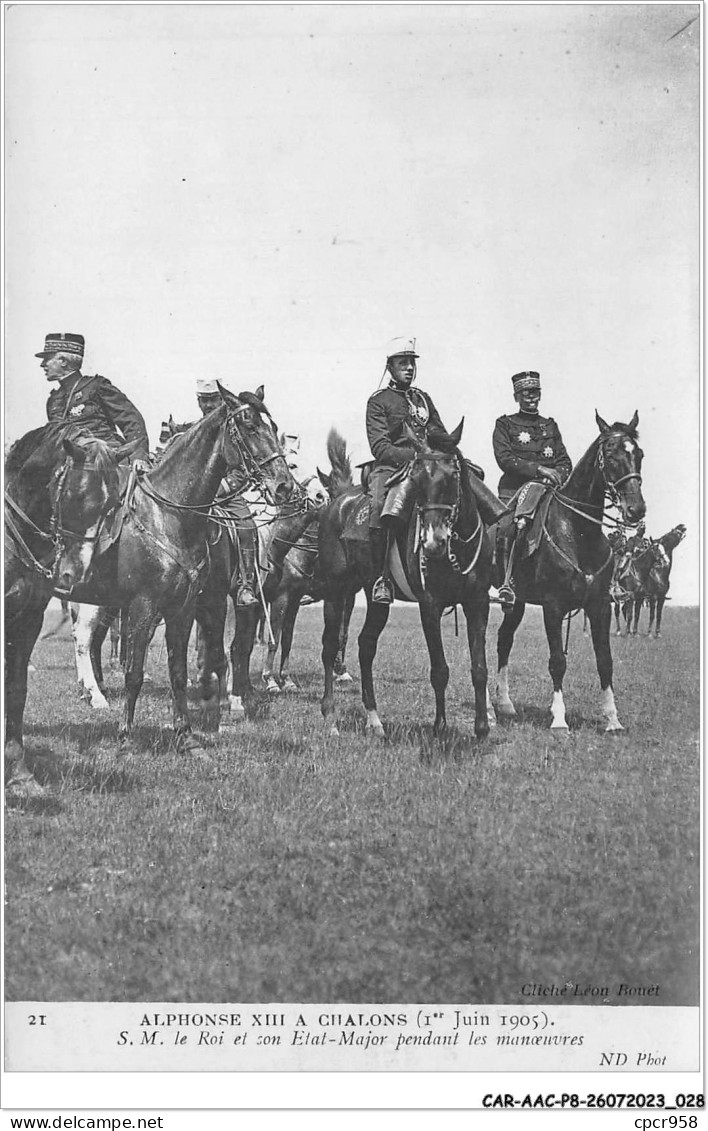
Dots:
(207, 388)
(399, 347)
(529, 379)
(62, 343)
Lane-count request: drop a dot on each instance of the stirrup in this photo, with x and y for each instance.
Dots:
(382, 591)
(245, 597)
(507, 596)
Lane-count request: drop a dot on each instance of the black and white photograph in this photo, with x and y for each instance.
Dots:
(352, 420)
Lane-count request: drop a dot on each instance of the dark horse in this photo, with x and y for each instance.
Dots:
(38, 525)
(280, 529)
(659, 574)
(160, 560)
(443, 559)
(572, 567)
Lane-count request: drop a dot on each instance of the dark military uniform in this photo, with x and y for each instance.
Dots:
(386, 413)
(523, 443)
(101, 409)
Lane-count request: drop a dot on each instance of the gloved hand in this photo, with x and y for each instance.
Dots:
(551, 475)
(141, 466)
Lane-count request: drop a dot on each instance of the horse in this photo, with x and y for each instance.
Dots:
(39, 523)
(658, 581)
(444, 558)
(279, 530)
(284, 595)
(572, 566)
(160, 559)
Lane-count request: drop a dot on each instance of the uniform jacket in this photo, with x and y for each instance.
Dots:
(522, 444)
(386, 412)
(101, 408)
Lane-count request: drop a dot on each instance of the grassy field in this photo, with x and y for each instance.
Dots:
(294, 867)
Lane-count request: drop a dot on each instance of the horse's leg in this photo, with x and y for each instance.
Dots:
(211, 619)
(651, 601)
(600, 620)
(286, 642)
(374, 624)
(659, 611)
(638, 601)
(177, 630)
(505, 639)
(430, 614)
(245, 627)
(553, 621)
(274, 641)
(617, 606)
(333, 613)
(20, 638)
(85, 620)
(99, 635)
(341, 675)
(139, 621)
(477, 616)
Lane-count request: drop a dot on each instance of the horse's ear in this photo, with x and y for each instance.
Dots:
(456, 436)
(633, 424)
(325, 479)
(260, 392)
(227, 396)
(413, 440)
(74, 450)
(602, 424)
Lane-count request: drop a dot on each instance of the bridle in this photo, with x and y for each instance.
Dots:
(58, 534)
(453, 510)
(611, 485)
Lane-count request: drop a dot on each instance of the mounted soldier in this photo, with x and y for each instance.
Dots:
(529, 450)
(91, 401)
(388, 412)
(241, 524)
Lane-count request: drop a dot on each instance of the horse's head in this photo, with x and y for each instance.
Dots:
(317, 493)
(619, 459)
(251, 446)
(83, 491)
(674, 537)
(435, 475)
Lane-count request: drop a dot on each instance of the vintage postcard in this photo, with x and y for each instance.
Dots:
(367, 336)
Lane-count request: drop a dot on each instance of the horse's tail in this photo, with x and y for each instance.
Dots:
(341, 464)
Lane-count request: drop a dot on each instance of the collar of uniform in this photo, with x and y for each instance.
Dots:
(71, 380)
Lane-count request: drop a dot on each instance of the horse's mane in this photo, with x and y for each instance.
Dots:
(340, 463)
(48, 434)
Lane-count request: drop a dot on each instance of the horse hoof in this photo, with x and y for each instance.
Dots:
(506, 710)
(127, 748)
(560, 733)
(615, 731)
(289, 685)
(24, 787)
(343, 678)
(272, 688)
(334, 731)
(188, 744)
(377, 732)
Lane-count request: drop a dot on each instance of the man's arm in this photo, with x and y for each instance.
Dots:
(123, 414)
(562, 461)
(377, 432)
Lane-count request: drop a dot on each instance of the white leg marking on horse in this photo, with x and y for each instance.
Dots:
(504, 703)
(236, 710)
(558, 712)
(374, 725)
(491, 713)
(343, 678)
(289, 684)
(271, 685)
(87, 619)
(609, 710)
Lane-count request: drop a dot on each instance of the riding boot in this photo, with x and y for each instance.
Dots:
(507, 593)
(382, 589)
(245, 590)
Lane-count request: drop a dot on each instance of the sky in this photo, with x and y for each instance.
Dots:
(268, 193)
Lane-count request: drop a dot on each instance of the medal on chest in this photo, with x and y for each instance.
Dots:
(417, 409)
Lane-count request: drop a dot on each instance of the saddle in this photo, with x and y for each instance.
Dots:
(114, 521)
(531, 502)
